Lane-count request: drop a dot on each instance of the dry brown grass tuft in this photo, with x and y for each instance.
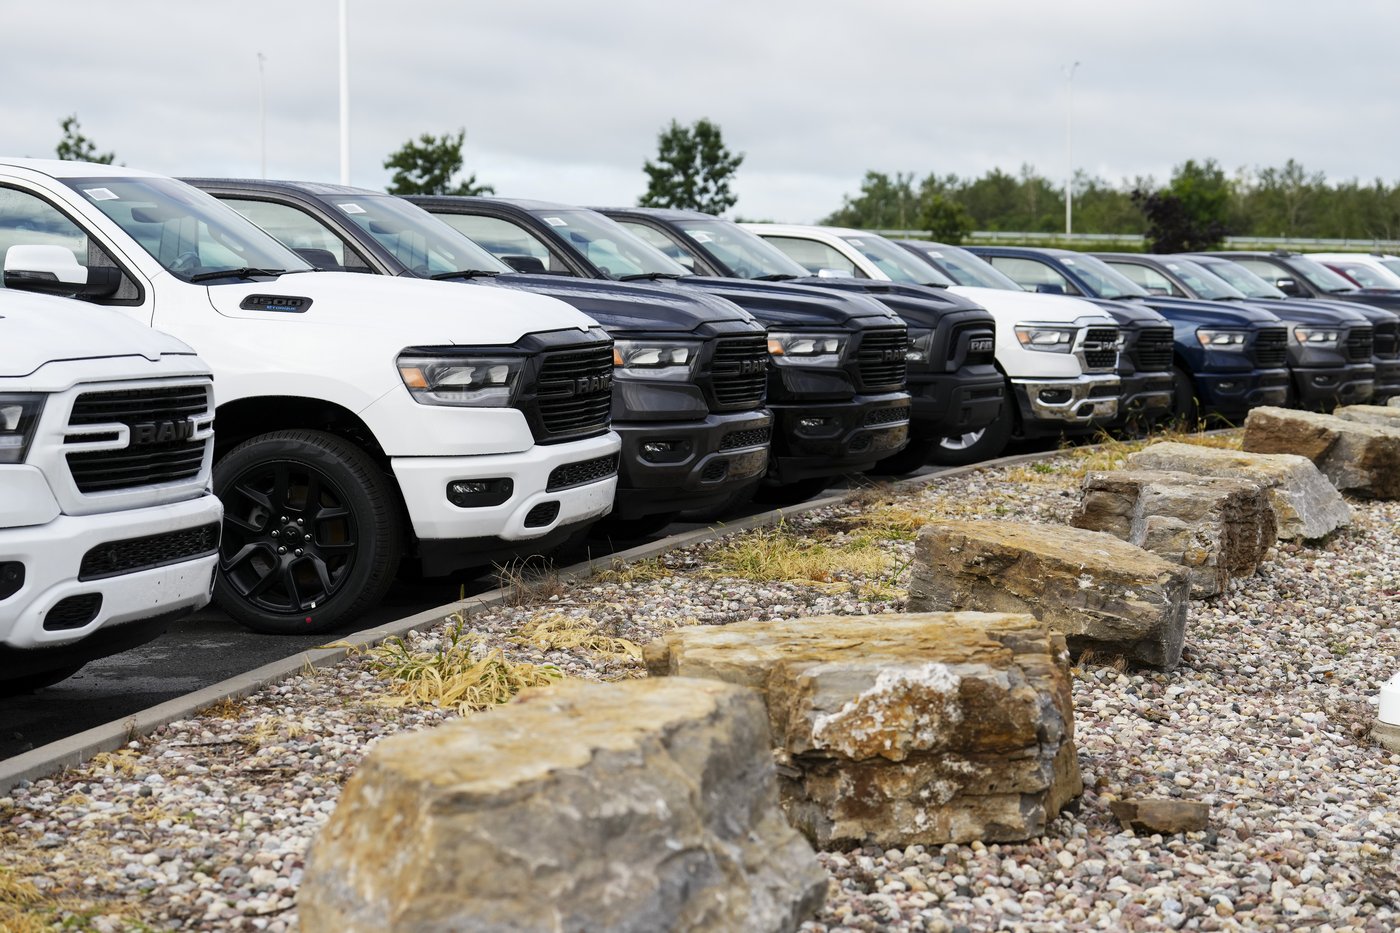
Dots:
(227, 708)
(530, 580)
(558, 632)
(1108, 453)
(777, 555)
(637, 571)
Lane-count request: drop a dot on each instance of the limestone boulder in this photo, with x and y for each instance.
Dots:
(1102, 593)
(1393, 402)
(1305, 503)
(1383, 416)
(904, 728)
(1359, 458)
(1214, 526)
(638, 806)
(1164, 815)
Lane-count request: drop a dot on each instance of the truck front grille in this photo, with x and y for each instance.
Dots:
(1359, 343)
(739, 373)
(887, 416)
(1386, 340)
(880, 359)
(1271, 346)
(135, 554)
(754, 437)
(574, 395)
(1101, 347)
(160, 421)
(975, 342)
(581, 473)
(1152, 350)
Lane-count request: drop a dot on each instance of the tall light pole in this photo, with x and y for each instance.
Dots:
(262, 113)
(1069, 147)
(344, 93)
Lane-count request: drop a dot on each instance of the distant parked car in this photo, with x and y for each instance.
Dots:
(1365, 270)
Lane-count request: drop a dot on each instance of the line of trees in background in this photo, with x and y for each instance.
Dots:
(1287, 201)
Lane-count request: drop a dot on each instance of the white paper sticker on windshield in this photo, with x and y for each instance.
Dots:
(556, 221)
(351, 208)
(703, 238)
(934, 254)
(101, 194)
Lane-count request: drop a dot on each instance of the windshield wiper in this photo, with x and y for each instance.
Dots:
(648, 276)
(466, 274)
(243, 273)
(774, 277)
(934, 284)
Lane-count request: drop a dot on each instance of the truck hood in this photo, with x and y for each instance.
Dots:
(778, 304)
(36, 329)
(627, 307)
(918, 305)
(1310, 312)
(1010, 307)
(1128, 312)
(399, 310)
(1388, 301)
(1210, 312)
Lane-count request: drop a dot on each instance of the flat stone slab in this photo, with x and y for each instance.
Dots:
(1102, 593)
(1383, 416)
(635, 806)
(1216, 527)
(905, 728)
(1305, 503)
(1358, 458)
(1393, 402)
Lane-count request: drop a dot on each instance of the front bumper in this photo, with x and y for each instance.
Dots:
(711, 461)
(1057, 403)
(949, 404)
(1145, 396)
(53, 556)
(522, 524)
(831, 438)
(1232, 395)
(1325, 387)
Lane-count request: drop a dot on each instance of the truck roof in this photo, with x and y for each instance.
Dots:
(58, 168)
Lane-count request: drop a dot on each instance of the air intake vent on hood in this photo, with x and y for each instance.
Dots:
(287, 304)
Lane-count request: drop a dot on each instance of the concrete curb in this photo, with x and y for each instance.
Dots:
(76, 749)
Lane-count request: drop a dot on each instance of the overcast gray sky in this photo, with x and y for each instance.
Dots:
(564, 100)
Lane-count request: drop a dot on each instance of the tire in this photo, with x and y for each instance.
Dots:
(792, 493)
(311, 534)
(15, 686)
(1185, 410)
(986, 444)
(911, 458)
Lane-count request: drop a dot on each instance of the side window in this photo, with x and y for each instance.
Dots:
(1031, 274)
(814, 256)
(1150, 279)
(1263, 268)
(28, 220)
(301, 232)
(654, 237)
(504, 239)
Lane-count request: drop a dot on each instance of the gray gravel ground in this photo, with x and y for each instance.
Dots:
(204, 825)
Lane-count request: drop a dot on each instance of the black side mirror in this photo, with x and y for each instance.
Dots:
(53, 270)
(1048, 288)
(1289, 286)
(322, 259)
(531, 265)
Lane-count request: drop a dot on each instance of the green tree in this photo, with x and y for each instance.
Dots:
(75, 147)
(884, 203)
(1283, 201)
(428, 164)
(693, 169)
(1192, 213)
(945, 219)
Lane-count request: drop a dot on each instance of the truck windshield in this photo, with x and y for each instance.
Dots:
(1241, 279)
(966, 269)
(1103, 279)
(425, 245)
(897, 262)
(191, 234)
(1205, 285)
(616, 253)
(747, 255)
(1319, 275)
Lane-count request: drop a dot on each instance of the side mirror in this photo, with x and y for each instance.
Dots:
(1048, 288)
(530, 265)
(322, 259)
(834, 274)
(53, 270)
(1289, 286)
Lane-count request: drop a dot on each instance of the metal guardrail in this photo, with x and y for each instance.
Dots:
(1135, 241)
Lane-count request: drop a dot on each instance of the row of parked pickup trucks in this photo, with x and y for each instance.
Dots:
(280, 394)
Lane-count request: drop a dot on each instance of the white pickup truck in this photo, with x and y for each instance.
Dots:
(361, 418)
(108, 528)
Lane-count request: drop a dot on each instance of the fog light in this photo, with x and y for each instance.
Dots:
(1055, 396)
(11, 578)
(1228, 386)
(665, 451)
(810, 423)
(479, 493)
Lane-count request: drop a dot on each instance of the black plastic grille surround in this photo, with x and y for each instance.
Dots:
(754, 437)
(1386, 341)
(1106, 339)
(1152, 350)
(542, 514)
(880, 358)
(147, 461)
(1271, 346)
(72, 612)
(714, 471)
(581, 473)
(573, 394)
(964, 335)
(134, 554)
(739, 373)
(886, 416)
(1360, 341)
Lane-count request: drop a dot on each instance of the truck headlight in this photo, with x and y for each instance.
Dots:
(920, 345)
(1221, 339)
(468, 381)
(654, 359)
(19, 416)
(1316, 336)
(1046, 339)
(802, 349)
